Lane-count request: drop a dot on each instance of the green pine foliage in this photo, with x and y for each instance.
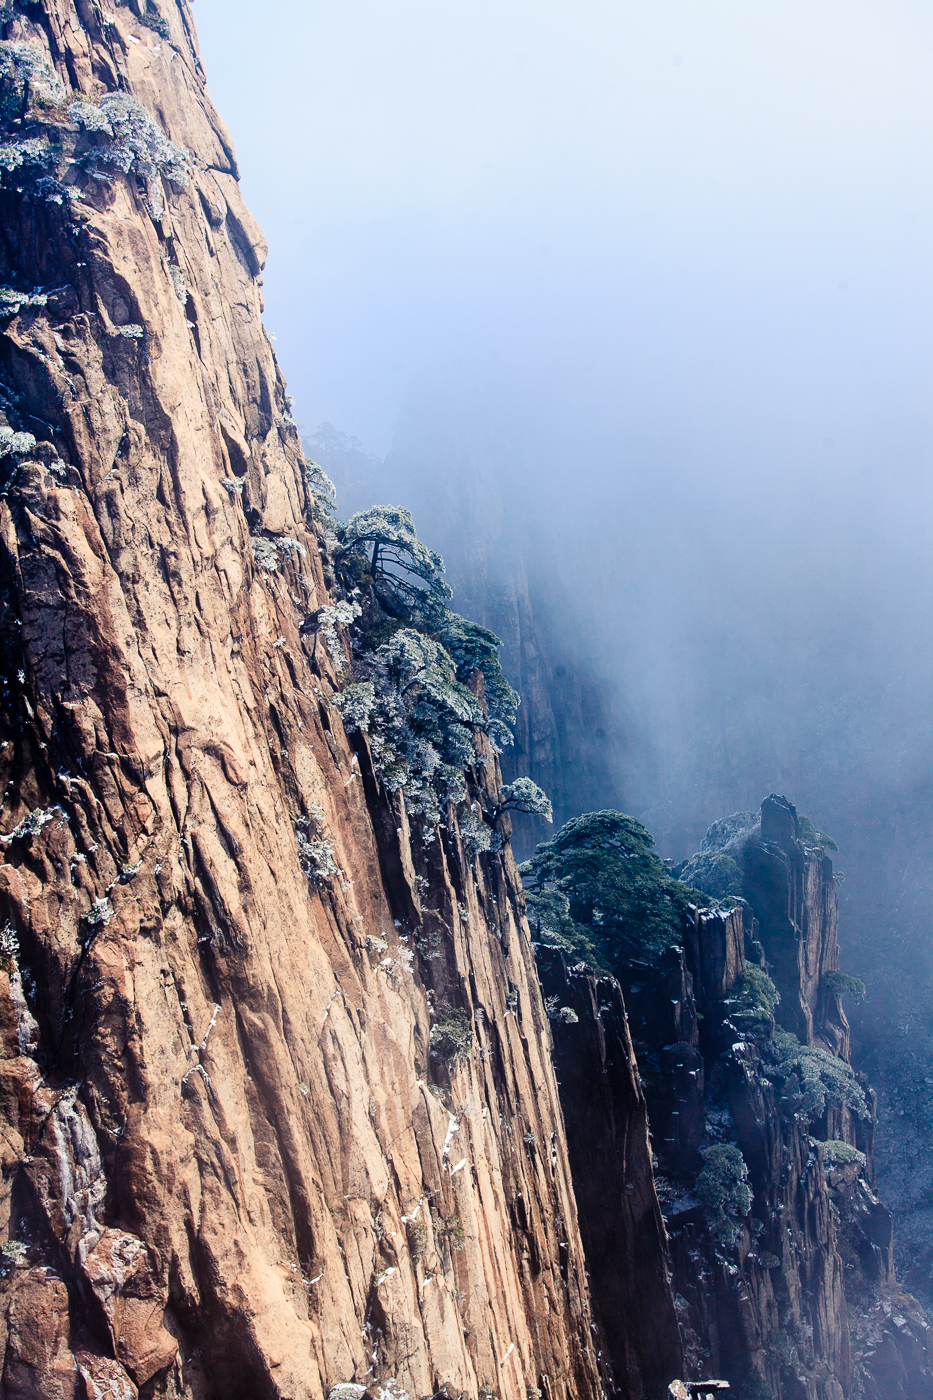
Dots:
(50, 134)
(323, 492)
(420, 720)
(820, 1079)
(127, 139)
(723, 1188)
(843, 984)
(27, 79)
(379, 552)
(406, 576)
(451, 1037)
(525, 796)
(717, 873)
(758, 993)
(475, 648)
(716, 866)
(811, 835)
(415, 690)
(599, 890)
(839, 1154)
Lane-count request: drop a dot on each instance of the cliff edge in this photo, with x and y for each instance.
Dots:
(239, 1156)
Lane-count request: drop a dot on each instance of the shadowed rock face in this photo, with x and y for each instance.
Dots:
(231, 1165)
(610, 1159)
(796, 1298)
(790, 886)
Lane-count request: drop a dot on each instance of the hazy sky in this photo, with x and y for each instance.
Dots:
(665, 267)
(704, 222)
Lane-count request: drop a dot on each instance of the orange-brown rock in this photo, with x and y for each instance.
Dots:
(231, 1165)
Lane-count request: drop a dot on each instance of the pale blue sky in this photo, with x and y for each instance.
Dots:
(664, 267)
(718, 208)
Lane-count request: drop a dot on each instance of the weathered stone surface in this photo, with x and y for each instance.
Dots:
(790, 887)
(218, 1112)
(786, 1302)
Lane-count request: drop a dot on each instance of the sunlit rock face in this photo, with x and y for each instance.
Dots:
(235, 1160)
(279, 1114)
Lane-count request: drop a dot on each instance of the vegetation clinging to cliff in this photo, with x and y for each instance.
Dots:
(717, 873)
(419, 718)
(416, 690)
(759, 994)
(723, 1188)
(843, 984)
(599, 890)
(816, 1078)
(811, 835)
(49, 138)
(716, 868)
(379, 552)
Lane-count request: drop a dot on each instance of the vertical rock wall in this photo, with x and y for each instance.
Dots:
(794, 1298)
(610, 1159)
(231, 1165)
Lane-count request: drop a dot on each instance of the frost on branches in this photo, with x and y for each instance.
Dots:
(420, 721)
(416, 679)
(525, 796)
(406, 576)
(323, 491)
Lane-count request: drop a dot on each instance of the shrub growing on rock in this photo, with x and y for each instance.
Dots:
(842, 984)
(132, 140)
(451, 1037)
(414, 658)
(839, 1154)
(599, 889)
(417, 1236)
(811, 835)
(154, 20)
(380, 549)
(425, 682)
(754, 1387)
(450, 1233)
(821, 1079)
(758, 993)
(323, 492)
(524, 796)
(717, 873)
(406, 575)
(26, 76)
(723, 1188)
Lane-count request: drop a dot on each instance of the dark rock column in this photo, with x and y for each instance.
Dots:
(610, 1161)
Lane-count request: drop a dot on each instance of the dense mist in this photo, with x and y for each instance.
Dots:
(631, 306)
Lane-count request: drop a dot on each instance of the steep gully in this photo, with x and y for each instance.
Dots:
(232, 1164)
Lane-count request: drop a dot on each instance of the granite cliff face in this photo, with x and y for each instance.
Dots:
(232, 1164)
(610, 1159)
(282, 1105)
